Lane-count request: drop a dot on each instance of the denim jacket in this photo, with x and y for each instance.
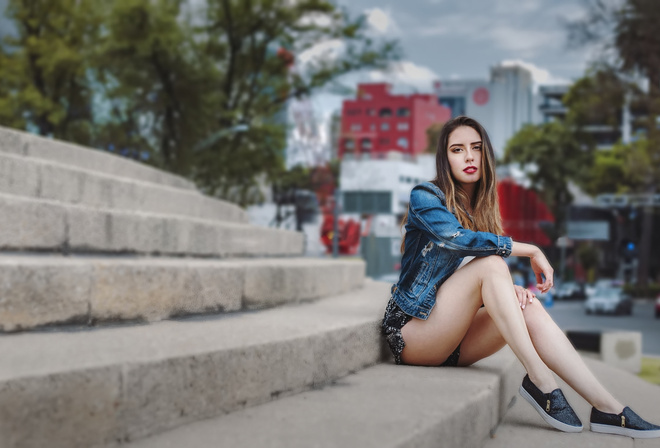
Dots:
(435, 244)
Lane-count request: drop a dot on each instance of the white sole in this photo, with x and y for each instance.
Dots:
(548, 419)
(634, 433)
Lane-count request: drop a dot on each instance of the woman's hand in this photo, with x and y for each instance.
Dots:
(524, 295)
(541, 265)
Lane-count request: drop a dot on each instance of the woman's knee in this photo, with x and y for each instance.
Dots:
(535, 314)
(493, 265)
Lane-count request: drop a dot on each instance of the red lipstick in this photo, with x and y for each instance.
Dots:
(470, 170)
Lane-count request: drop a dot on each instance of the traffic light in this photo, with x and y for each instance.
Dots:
(628, 249)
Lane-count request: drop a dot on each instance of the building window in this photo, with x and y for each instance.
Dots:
(365, 144)
(372, 127)
(403, 112)
(349, 144)
(402, 142)
(367, 202)
(371, 112)
(385, 112)
(403, 126)
(385, 126)
(353, 112)
(356, 127)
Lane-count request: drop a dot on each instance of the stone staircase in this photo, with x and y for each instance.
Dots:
(136, 311)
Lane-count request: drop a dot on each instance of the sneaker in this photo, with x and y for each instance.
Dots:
(627, 423)
(552, 407)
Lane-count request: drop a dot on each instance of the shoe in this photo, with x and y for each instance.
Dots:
(627, 423)
(552, 407)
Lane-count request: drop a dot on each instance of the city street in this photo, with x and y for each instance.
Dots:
(571, 316)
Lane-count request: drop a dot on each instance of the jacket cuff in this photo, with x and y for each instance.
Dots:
(504, 244)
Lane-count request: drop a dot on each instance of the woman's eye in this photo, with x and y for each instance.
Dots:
(477, 148)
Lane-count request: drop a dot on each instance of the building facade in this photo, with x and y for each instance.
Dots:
(502, 104)
(378, 122)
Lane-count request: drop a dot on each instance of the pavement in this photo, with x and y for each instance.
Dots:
(523, 427)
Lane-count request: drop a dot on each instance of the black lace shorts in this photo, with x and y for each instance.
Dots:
(393, 321)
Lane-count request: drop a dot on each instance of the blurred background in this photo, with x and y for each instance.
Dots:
(321, 116)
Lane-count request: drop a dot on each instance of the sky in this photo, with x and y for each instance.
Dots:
(463, 39)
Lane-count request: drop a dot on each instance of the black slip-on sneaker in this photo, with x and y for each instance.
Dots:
(552, 407)
(627, 423)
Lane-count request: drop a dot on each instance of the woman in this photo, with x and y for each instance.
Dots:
(455, 302)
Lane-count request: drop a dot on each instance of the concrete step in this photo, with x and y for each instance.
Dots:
(110, 385)
(30, 145)
(42, 179)
(45, 225)
(385, 406)
(49, 290)
(523, 424)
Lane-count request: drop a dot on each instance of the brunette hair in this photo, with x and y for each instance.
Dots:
(485, 205)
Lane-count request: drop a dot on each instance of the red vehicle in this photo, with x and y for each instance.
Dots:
(657, 307)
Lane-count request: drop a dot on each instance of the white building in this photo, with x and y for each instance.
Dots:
(502, 104)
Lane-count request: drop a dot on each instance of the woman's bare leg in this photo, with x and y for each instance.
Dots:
(484, 280)
(483, 339)
(558, 353)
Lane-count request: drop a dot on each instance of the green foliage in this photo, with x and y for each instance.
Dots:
(588, 256)
(552, 157)
(432, 136)
(161, 76)
(651, 290)
(44, 68)
(596, 98)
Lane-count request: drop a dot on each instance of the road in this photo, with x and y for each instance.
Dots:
(571, 316)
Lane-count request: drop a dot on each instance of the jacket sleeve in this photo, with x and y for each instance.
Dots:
(429, 213)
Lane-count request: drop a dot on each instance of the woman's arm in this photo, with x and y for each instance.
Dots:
(428, 212)
(540, 264)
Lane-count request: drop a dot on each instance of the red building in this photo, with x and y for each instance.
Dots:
(377, 122)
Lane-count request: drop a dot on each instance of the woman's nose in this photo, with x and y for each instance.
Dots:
(469, 155)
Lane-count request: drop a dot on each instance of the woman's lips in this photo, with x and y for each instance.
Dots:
(470, 170)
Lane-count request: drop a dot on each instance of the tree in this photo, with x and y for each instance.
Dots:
(632, 44)
(552, 157)
(44, 71)
(201, 87)
(432, 136)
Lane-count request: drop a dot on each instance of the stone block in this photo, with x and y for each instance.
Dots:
(18, 177)
(65, 410)
(622, 349)
(269, 284)
(156, 289)
(27, 224)
(12, 141)
(34, 293)
(100, 161)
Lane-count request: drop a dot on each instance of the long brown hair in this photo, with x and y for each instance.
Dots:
(484, 203)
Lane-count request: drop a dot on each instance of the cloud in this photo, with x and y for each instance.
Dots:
(539, 75)
(522, 41)
(381, 21)
(406, 74)
(325, 51)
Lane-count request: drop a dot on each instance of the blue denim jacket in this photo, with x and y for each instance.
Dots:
(435, 246)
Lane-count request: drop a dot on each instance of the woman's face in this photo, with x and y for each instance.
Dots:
(464, 154)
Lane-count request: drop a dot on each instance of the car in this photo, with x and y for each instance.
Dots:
(609, 299)
(571, 291)
(590, 289)
(657, 307)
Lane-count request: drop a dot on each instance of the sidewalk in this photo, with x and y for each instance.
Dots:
(523, 427)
